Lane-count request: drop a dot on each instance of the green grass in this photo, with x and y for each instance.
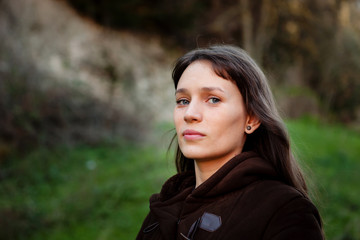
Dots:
(81, 193)
(102, 192)
(332, 156)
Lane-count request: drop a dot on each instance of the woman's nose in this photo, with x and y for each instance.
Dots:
(193, 113)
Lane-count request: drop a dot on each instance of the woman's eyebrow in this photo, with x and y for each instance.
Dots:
(181, 90)
(204, 89)
(210, 89)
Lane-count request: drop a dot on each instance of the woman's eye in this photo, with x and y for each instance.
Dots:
(182, 102)
(214, 100)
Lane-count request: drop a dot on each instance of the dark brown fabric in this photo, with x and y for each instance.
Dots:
(245, 197)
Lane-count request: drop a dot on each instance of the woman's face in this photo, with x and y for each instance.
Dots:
(210, 116)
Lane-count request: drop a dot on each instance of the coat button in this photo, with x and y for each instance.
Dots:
(210, 222)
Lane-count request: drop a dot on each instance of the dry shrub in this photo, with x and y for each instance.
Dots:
(38, 111)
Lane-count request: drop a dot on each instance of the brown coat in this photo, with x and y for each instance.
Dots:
(243, 200)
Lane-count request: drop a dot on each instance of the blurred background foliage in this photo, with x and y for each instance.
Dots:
(321, 39)
(85, 104)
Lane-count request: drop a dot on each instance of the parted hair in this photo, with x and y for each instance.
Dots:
(270, 140)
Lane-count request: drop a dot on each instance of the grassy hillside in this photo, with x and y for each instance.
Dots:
(102, 192)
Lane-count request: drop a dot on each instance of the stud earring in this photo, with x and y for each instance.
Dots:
(248, 128)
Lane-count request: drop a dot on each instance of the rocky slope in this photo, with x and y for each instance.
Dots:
(127, 70)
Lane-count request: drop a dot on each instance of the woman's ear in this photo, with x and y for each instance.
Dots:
(252, 123)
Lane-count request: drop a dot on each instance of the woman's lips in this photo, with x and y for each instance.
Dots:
(192, 134)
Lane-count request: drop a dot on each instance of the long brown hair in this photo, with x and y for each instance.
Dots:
(270, 140)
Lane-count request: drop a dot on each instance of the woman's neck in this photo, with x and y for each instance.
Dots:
(204, 169)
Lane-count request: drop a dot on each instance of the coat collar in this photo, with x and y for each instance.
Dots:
(237, 173)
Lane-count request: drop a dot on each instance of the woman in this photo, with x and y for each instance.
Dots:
(237, 178)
